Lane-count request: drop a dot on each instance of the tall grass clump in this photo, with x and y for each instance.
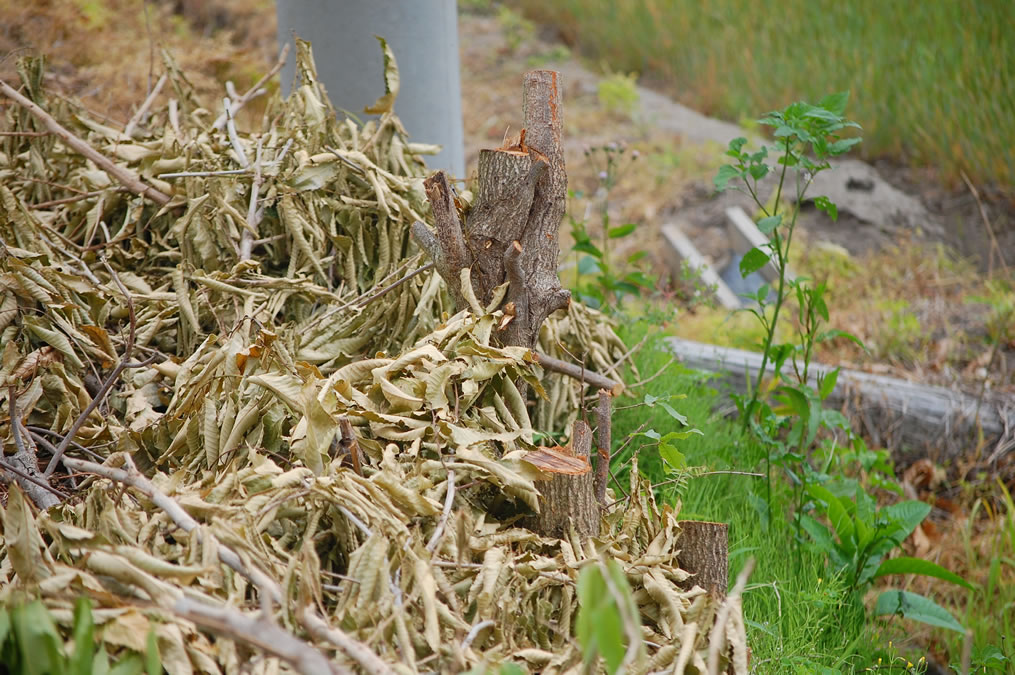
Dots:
(934, 81)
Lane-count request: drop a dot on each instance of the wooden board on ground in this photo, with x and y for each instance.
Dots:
(679, 250)
(745, 235)
(897, 414)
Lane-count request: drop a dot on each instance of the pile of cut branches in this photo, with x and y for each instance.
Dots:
(235, 402)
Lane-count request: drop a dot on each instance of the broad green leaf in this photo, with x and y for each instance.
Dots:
(907, 515)
(841, 146)
(587, 247)
(132, 664)
(828, 206)
(752, 261)
(908, 565)
(736, 145)
(827, 384)
(758, 171)
(835, 333)
(835, 103)
(673, 413)
(672, 456)
(512, 669)
(916, 607)
(153, 664)
(621, 230)
(796, 400)
(767, 225)
(725, 175)
(838, 516)
(39, 639)
(819, 533)
(600, 627)
(84, 637)
(636, 256)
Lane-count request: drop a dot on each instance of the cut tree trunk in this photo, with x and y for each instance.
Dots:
(569, 499)
(511, 232)
(511, 236)
(704, 552)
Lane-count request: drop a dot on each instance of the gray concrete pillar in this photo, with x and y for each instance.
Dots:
(423, 35)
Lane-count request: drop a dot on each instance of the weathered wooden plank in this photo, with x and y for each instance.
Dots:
(745, 235)
(898, 414)
(679, 249)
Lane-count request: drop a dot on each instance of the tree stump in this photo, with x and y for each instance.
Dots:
(511, 235)
(511, 232)
(704, 552)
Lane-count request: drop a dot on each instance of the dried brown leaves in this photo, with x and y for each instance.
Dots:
(263, 315)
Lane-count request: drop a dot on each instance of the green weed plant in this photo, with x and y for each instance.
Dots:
(859, 535)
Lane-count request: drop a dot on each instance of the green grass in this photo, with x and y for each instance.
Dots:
(933, 83)
(799, 619)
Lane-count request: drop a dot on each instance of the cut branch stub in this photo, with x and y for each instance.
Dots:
(568, 497)
(511, 233)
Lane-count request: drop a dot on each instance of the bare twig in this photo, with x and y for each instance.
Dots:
(474, 632)
(366, 301)
(124, 363)
(234, 137)
(35, 481)
(129, 179)
(143, 110)
(24, 133)
(251, 93)
(247, 238)
(348, 444)
(174, 116)
(188, 174)
(65, 200)
(579, 373)
(135, 479)
(603, 444)
(994, 246)
(51, 449)
(24, 463)
(967, 651)
(354, 649)
(260, 632)
(449, 498)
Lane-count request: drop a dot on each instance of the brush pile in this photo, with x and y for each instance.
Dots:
(263, 418)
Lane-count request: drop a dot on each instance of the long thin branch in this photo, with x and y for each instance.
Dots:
(139, 115)
(356, 650)
(135, 479)
(107, 384)
(129, 179)
(449, 498)
(261, 632)
(579, 373)
(604, 442)
(28, 461)
(247, 238)
(393, 286)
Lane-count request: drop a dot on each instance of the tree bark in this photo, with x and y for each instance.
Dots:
(704, 552)
(511, 231)
(569, 500)
(511, 236)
